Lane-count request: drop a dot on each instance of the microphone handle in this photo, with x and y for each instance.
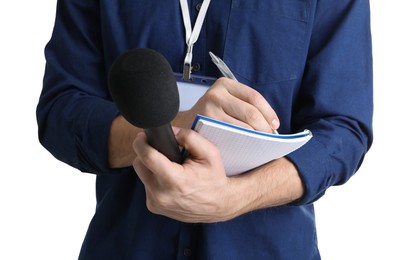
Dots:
(163, 139)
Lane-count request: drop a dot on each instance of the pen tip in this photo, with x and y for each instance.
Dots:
(214, 57)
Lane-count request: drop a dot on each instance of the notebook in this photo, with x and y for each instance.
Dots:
(243, 149)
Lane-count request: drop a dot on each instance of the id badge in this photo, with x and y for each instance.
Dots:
(190, 91)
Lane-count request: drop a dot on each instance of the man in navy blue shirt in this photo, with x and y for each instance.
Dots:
(301, 64)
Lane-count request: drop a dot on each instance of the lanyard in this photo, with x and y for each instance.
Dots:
(191, 35)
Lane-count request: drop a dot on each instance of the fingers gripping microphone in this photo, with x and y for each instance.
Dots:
(144, 89)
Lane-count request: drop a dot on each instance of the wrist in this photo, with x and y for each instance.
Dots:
(121, 137)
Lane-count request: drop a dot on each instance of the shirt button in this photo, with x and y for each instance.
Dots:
(187, 252)
(198, 6)
(196, 67)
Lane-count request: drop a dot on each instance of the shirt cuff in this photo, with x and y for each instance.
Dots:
(92, 134)
(311, 170)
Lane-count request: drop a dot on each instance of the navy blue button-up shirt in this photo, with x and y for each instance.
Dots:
(311, 59)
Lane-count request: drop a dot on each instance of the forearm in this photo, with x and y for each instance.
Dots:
(274, 184)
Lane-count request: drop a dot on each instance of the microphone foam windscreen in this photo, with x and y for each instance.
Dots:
(144, 89)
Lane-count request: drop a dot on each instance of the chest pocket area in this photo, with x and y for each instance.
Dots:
(266, 39)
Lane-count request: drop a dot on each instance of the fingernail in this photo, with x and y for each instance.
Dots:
(275, 124)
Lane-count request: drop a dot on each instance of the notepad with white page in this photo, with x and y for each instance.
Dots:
(243, 149)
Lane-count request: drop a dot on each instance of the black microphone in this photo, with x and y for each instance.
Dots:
(144, 89)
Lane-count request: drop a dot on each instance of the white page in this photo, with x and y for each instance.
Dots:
(244, 149)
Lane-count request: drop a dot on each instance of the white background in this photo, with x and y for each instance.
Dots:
(45, 206)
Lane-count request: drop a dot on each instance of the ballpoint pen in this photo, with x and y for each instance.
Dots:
(222, 66)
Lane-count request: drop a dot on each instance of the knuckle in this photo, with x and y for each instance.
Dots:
(213, 95)
(254, 98)
(252, 115)
(185, 134)
(213, 152)
(221, 81)
(154, 204)
(149, 159)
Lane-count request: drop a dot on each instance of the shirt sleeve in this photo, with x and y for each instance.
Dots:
(336, 101)
(75, 111)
